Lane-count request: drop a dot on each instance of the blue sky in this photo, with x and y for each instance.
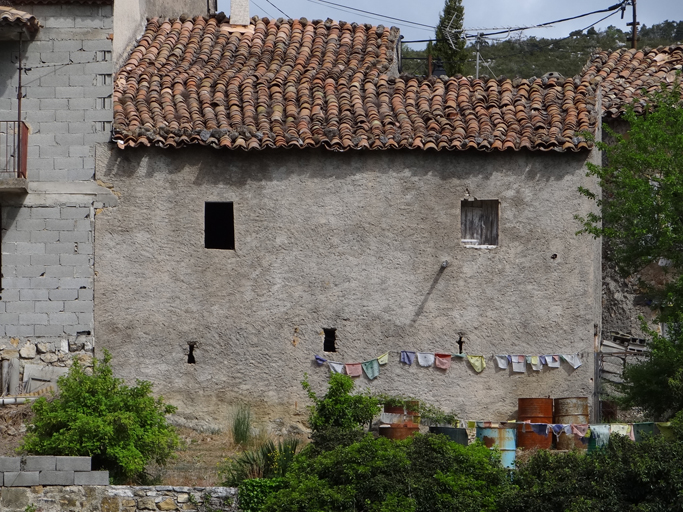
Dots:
(478, 13)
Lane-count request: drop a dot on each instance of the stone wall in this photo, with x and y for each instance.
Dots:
(347, 241)
(118, 499)
(49, 470)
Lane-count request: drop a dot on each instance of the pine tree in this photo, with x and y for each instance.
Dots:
(450, 47)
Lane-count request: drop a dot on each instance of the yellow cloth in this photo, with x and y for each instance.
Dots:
(383, 359)
(477, 363)
(621, 428)
(471, 424)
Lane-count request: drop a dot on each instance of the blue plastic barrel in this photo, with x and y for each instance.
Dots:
(503, 438)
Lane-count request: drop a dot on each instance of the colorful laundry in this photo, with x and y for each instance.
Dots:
(543, 359)
(540, 428)
(621, 428)
(407, 357)
(502, 362)
(601, 434)
(557, 429)
(572, 359)
(553, 361)
(353, 369)
(425, 358)
(477, 362)
(536, 363)
(371, 368)
(383, 359)
(443, 361)
(320, 360)
(335, 367)
(519, 364)
(579, 430)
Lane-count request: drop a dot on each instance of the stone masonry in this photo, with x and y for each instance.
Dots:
(118, 498)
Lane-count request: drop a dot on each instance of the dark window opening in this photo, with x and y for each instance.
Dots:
(190, 355)
(219, 226)
(479, 222)
(329, 345)
(460, 342)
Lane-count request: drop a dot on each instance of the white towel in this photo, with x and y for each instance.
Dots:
(425, 359)
(572, 359)
(502, 362)
(519, 364)
(553, 361)
(336, 367)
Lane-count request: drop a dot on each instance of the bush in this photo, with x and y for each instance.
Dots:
(338, 417)
(254, 493)
(122, 428)
(646, 476)
(267, 461)
(423, 473)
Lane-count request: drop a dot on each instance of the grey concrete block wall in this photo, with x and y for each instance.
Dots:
(67, 88)
(48, 471)
(47, 271)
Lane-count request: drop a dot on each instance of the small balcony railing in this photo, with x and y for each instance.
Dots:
(13, 149)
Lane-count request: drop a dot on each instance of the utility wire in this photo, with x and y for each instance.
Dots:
(262, 9)
(283, 12)
(379, 15)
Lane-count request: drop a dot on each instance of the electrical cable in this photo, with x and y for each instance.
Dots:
(262, 9)
(379, 15)
(283, 12)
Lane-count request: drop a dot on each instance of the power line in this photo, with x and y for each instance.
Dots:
(262, 9)
(283, 12)
(379, 15)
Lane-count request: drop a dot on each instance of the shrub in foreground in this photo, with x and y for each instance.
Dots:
(122, 428)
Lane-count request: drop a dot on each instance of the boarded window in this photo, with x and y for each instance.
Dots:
(219, 226)
(479, 223)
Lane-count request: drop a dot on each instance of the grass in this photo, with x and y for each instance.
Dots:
(241, 425)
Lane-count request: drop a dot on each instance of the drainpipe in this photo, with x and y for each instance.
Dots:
(19, 95)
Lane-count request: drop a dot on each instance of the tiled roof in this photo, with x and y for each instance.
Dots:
(300, 84)
(10, 17)
(622, 75)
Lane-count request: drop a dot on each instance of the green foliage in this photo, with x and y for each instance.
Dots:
(423, 473)
(254, 493)
(269, 460)
(642, 222)
(435, 416)
(122, 428)
(646, 476)
(339, 408)
(450, 46)
(241, 425)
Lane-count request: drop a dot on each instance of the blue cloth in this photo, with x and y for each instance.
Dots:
(557, 428)
(542, 358)
(509, 359)
(540, 428)
(320, 360)
(407, 357)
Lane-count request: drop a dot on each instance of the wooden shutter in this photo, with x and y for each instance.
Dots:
(479, 222)
(490, 223)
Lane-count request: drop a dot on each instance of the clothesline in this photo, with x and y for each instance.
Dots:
(443, 361)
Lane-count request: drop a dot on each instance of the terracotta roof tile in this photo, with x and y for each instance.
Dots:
(622, 75)
(10, 17)
(299, 84)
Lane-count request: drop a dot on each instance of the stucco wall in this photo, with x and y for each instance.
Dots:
(352, 241)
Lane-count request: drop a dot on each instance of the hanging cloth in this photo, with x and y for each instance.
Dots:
(320, 360)
(383, 359)
(519, 364)
(572, 359)
(335, 367)
(443, 361)
(536, 363)
(553, 361)
(407, 357)
(540, 428)
(621, 428)
(557, 429)
(353, 369)
(371, 368)
(477, 363)
(601, 434)
(425, 358)
(580, 431)
(502, 362)
(542, 359)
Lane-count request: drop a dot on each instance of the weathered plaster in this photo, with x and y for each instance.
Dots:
(353, 241)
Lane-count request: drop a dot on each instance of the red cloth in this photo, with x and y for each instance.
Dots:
(354, 369)
(443, 361)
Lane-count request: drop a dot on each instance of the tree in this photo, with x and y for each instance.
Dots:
(450, 47)
(122, 428)
(642, 221)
